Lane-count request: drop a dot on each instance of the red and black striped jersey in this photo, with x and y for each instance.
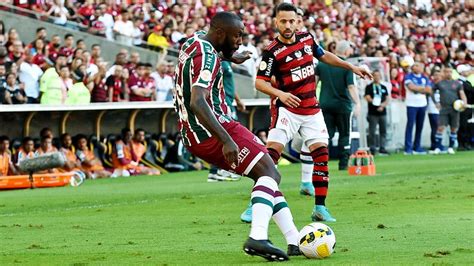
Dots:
(293, 69)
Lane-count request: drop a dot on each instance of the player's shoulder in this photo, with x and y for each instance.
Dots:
(272, 46)
(303, 36)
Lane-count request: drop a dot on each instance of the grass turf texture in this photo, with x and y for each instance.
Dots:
(417, 210)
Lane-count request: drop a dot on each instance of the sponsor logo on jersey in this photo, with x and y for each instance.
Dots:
(300, 73)
(269, 67)
(288, 59)
(307, 49)
(305, 38)
(298, 54)
(281, 49)
(263, 65)
(244, 152)
(206, 75)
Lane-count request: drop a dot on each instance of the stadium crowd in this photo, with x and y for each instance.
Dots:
(432, 32)
(62, 70)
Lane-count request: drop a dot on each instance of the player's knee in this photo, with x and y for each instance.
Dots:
(314, 144)
(274, 154)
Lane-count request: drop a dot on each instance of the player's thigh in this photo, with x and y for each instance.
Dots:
(313, 130)
(251, 149)
(286, 125)
(443, 119)
(454, 119)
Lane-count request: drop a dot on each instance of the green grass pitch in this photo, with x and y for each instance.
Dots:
(416, 210)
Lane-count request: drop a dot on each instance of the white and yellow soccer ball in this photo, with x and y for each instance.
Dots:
(317, 241)
(459, 106)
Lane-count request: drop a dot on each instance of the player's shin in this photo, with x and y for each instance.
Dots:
(320, 174)
(263, 200)
(306, 167)
(284, 219)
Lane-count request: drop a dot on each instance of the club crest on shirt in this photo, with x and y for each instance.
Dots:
(307, 49)
(298, 54)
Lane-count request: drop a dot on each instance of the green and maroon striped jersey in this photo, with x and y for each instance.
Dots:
(199, 65)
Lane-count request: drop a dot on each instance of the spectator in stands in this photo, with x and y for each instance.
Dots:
(120, 60)
(123, 29)
(99, 91)
(95, 52)
(92, 166)
(68, 150)
(132, 64)
(377, 98)
(40, 54)
(68, 48)
(115, 85)
(29, 75)
(3, 37)
(96, 26)
(6, 164)
(164, 83)
(138, 33)
(15, 89)
(26, 151)
(156, 38)
(5, 97)
(178, 158)
(53, 47)
(107, 19)
(418, 86)
(140, 88)
(59, 11)
(16, 51)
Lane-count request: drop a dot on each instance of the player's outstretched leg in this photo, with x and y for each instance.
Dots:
(284, 219)
(263, 202)
(320, 182)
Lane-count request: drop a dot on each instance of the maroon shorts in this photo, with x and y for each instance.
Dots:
(251, 149)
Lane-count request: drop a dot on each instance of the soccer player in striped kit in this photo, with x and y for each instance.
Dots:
(294, 107)
(209, 132)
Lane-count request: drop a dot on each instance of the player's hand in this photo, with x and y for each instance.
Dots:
(362, 72)
(240, 106)
(356, 110)
(239, 58)
(380, 108)
(289, 99)
(231, 152)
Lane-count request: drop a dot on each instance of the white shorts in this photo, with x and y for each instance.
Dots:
(311, 128)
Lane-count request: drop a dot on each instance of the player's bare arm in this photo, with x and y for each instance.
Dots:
(285, 97)
(201, 109)
(332, 59)
(355, 98)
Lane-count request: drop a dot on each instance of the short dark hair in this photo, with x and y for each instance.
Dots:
(68, 35)
(224, 18)
(125, 130)
(284, 7)
(43, 131)
(95, 45)
(26, 140)
(78, 41)
(40, 29)
(4, 138)
(139, 130)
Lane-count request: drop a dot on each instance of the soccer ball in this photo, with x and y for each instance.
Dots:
(458, 105)
(317, 241)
